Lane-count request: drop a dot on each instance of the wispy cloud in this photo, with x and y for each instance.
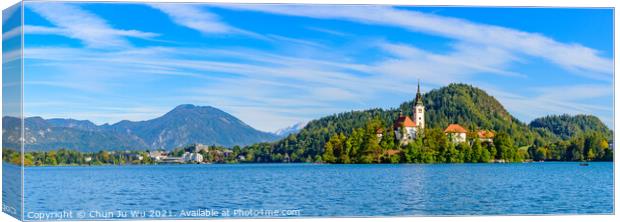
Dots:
(461, 64)
(269, 88)
(561, 99)
(328, 31)
(198, 18)
(12, 33)
(72, 21)
(574, 57)
(194, 18)
(287, 88)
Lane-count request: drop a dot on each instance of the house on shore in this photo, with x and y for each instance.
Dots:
(456, 133)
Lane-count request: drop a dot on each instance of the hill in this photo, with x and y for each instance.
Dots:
(566, 126)
(183, 125)
(352, 134)
(464, 104)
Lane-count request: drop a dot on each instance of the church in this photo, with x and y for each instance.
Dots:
(406, 128)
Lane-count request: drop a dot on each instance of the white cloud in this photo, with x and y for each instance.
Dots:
(195, 17)
(74, 22)
(409, 63)
(12, 33)
(11, 56)
(271, 89)
(577, 58)
(562, 99)
(192, 17)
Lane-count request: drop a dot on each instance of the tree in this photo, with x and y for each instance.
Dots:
(485, 157)
(387, 140)
(504, 146)
(328, 154)
(540, 154)
(466, 153)
(50, 158)
(477, 151)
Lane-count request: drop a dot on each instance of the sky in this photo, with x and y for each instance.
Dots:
(275, 65)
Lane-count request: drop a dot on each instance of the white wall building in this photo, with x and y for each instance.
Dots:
(193, 157)
(456, 133)
(406, 129)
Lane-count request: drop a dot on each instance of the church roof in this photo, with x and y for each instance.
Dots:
(455, 128)
(418, 96)
(403, 121)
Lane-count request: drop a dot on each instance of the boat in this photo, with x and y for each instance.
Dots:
(584, 164)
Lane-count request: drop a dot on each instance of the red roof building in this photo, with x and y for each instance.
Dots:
(403, 121)
(455, 128)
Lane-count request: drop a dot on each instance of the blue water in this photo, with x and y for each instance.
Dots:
(320, 190)
(11, 190)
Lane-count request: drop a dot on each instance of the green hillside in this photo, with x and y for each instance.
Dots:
(350, 137)
(566, 126)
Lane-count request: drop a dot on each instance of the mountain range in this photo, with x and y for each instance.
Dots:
(185, 124)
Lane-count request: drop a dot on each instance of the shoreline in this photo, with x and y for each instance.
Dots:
(300, 163)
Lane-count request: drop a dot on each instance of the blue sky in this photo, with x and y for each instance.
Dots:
(275, 65)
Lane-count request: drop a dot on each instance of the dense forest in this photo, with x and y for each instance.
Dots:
(566, 126)
(351, 137)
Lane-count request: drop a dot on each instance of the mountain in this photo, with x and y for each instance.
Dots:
(183, 125)
(41, 134)
(566, 126)
(72, 123)
(290, 129)
(187, 124)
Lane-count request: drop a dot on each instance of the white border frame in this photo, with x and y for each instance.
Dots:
(483, 3)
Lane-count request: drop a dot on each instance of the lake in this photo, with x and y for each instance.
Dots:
(293, 190)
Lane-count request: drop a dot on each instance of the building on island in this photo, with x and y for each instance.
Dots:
(456, 133)
(485, 136)
(418, 109)
(406, 128)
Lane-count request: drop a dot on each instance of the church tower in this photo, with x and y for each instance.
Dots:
(418, 109)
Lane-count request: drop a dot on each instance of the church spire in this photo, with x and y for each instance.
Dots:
(418, 96)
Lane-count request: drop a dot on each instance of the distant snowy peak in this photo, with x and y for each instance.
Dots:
(290, 129)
